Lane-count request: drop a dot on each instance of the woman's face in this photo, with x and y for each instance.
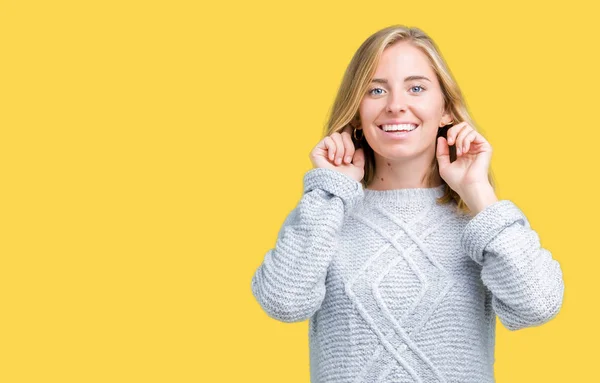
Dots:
(405, 89)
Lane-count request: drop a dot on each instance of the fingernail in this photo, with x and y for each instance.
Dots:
(348, 158)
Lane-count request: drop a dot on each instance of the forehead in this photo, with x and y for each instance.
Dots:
(403, 59)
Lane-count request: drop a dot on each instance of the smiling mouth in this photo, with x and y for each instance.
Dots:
(398, 131)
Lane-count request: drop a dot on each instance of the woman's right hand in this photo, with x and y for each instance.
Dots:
(337, 152)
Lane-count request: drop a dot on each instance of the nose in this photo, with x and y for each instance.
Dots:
(397, 102)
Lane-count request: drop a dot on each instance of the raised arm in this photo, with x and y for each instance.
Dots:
(290, 283)
(525, 281)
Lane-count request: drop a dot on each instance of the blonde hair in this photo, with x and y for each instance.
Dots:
(357, 78)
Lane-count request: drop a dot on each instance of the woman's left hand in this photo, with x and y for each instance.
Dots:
(468, 174)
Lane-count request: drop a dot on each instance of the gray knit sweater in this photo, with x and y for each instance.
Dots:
(398, 288)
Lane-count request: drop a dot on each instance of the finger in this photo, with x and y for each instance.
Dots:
(330, 144)
(347, 129)
(453, 132)
(467, 140)
(339, 150)
(349, 147)
(442, 152)
(359, 158)
(461, 137)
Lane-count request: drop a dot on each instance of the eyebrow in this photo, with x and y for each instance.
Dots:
(409, 78)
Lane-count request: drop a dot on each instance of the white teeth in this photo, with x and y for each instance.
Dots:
(401, 127)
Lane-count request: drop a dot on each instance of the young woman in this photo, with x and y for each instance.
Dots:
(399, 252)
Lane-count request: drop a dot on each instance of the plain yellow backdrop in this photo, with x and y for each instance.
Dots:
(150, 151)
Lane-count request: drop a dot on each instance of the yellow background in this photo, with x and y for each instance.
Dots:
(150, 151)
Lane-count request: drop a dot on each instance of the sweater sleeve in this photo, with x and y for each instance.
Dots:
(290, 283)
(525, 281)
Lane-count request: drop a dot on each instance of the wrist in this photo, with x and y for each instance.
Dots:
(479, 197)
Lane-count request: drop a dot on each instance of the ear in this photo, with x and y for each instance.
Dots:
(446, 119)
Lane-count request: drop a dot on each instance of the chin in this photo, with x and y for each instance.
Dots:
(402, 153)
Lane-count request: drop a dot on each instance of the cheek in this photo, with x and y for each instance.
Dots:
(369, 110)
(426, 110)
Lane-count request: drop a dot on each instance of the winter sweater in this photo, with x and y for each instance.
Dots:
(399, 288)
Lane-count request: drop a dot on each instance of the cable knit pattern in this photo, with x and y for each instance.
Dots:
(399, 288)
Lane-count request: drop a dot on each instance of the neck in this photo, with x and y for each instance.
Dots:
(402, 173)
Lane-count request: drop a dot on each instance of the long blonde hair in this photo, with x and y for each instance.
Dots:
(357, 78)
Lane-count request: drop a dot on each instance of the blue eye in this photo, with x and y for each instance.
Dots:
(413, 87)
(371, 91)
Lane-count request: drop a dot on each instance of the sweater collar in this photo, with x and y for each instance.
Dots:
(395, 196)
